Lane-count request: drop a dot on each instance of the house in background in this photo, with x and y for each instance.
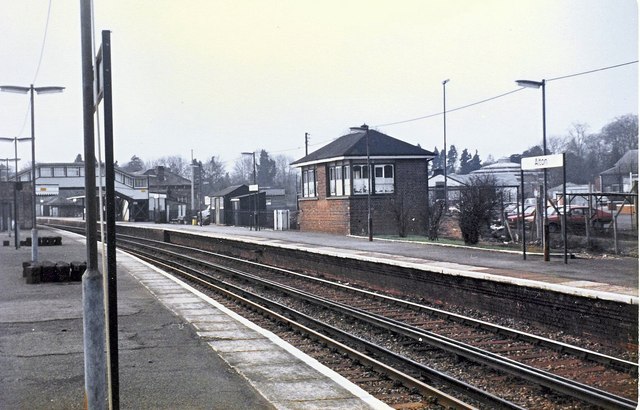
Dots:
(337, 196)
(169, 195)
(60, 190)
(622, 176)
(220, 204)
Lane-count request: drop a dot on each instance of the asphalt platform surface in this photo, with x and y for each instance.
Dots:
(178, 349)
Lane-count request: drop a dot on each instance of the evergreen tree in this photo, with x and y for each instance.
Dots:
(437, 159)
(452, 159)
(465, 162)
(266, 170)
(475, 163)
(135, 164)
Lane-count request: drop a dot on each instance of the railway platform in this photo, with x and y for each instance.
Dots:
(605, 277)
(177, 348)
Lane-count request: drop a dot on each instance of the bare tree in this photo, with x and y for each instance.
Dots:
(478, 199)
(436, 209)
(173, 163)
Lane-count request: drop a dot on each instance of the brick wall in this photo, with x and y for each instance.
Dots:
(406, 206)
(321, 214)
(611, 322)
(405, 210)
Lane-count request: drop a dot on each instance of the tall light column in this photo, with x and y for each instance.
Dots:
(444, 150)
(255, 196)
(15, 193)
(40, 90)
(545, 231)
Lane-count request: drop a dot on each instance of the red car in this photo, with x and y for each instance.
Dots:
(516, 216)
(577, 215)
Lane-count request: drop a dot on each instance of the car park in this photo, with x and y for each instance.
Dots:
(578, 215)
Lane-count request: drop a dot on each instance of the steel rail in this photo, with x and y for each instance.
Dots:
(242, 296)
(570, 387)
(561, 347)
(557, 383)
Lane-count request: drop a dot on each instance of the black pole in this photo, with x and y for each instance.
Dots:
(564, 205)
(256, 215)
(112, 283)
(444, 120)
(95, 382)
(524, 240)
(545, 231)
(15, 214)
(15, 197)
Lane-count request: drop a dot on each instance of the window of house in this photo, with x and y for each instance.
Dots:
(360, 180)
(45, 172)
(336, 181)
(73, 171)
(58, 171)
(309, 183)
(383, 182)
(346, 178)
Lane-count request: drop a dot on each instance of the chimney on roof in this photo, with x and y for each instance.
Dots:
(160, 172)
(363, 127)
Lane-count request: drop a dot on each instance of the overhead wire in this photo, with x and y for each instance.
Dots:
(35, 76)
(44, 42)
(591, 71)
(505, 94)
(451, 110)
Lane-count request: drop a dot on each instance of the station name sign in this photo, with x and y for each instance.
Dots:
(541, 162)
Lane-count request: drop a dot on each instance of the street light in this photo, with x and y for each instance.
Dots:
(444, 124)
(255, 196)
(15, 188)
(545, 231)
(40, 90)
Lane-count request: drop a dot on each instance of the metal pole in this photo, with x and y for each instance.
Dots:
(545, 231)
(193, 197)
(521, 212)
(95, 381)
(444, 118)
(112, 283)
(34, 229)
(16, 222)
(255, 197)
(369, 217)
(564, 206)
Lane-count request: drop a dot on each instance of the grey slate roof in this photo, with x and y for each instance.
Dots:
(355, 145)
(628, 163)
(229, 190)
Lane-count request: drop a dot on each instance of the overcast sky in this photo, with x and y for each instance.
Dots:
(223, 77)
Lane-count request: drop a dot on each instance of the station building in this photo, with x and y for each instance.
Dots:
(338, 194)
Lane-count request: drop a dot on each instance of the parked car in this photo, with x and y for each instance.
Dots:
(516, 215)
(577, 215)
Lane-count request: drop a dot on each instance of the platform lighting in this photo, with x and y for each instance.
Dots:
(15, 193)
(255, 196)
(545, 231)
(444, 154)
(39, 90)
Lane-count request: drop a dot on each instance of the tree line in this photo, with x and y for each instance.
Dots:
(587, 154)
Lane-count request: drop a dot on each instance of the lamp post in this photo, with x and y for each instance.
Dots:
(40, 90)
(255, 196)
(15, 189)
(6, 167)
(444, 125)
(545, 231)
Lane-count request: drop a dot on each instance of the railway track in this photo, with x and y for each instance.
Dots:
(486, 359)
